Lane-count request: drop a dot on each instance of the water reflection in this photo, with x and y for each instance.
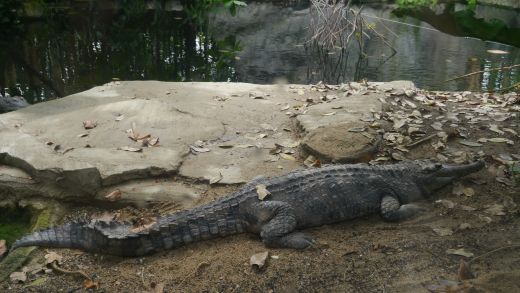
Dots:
(67, 49)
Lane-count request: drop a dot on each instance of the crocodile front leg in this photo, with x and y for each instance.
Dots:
(392, 210)
(277, 223)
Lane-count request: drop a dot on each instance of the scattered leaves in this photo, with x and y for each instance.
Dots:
(258, 260)
(262, 191)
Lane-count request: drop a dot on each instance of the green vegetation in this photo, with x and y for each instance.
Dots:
(461, 22)
(14, 222)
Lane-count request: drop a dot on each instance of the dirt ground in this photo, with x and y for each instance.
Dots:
(364, 255)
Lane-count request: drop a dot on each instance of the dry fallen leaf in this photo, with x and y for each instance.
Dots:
(470, 143)
(89, 124)
(311, 161)
(3, 247)
(120, 117)
(468, 191)
(114, 195)
(215, 179)
(90, 284)
(18, 277)
(446, 203)
(443, 231)
(52, 257)
(464, 272)
(288, 157)
(495, 210)
(83, 135)
(459, 251)
(259, 259)
(197, 149)
(262, 191)
(142, 225)
(130, 149)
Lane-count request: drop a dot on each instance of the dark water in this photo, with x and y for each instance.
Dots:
(60, 50)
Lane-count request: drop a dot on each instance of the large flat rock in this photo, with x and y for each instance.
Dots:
(214, 132)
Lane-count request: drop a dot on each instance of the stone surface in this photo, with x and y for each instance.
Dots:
(220, 133)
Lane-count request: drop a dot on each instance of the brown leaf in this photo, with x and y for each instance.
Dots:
(468, 191)
(89, 124)
(311, 161)
(262, 191)
(105, 216)
(90, 284)
(18, 277)
(495, 210)
(142, 225)
(215, 179)
(258, 260)
(114, 195)
(459, 251)
(153, 141)
(288, 157)
(3, 247)
(443, 231)
(130, 149)
(52, 257)
(197, 149)
(470, 143)
(464, 272)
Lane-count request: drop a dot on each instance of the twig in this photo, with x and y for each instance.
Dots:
(482, 71)
(422, 140)
(55, 267)
(493, 251)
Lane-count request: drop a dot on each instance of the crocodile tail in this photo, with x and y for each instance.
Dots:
(122, 239)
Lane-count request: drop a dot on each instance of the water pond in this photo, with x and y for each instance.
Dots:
(53, 51)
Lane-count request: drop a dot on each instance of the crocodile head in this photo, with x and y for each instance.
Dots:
(434, 176)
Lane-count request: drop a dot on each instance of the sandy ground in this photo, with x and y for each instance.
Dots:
(365, 255)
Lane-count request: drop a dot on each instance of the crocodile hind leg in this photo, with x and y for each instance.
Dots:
(392, 210)
(279, 222)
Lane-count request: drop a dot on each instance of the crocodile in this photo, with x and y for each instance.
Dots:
(297, 200)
